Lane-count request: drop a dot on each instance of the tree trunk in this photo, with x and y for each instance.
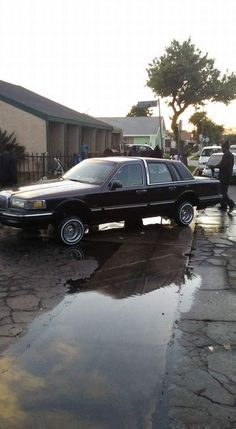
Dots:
(174, 126)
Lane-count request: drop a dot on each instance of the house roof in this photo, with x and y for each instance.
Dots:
(135, 126)
(43, 107)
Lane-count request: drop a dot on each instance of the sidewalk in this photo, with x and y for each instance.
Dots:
(200, 390)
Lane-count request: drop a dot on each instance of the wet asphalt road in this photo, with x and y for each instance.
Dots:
(84, 331)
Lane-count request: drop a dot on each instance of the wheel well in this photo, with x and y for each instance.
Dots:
(188, 196)
(72, 208)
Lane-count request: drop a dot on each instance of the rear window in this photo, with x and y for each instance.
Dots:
(183, 171)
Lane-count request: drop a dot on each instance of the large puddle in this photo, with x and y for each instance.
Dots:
(96, 357)
(94, 361)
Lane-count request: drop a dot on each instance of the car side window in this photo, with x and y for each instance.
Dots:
(159, 173)
(130, 175)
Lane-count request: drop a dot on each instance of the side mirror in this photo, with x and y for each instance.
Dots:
(115, 184)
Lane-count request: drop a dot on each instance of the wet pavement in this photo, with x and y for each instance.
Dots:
(200, 380)
(117, 333)
(84, 331)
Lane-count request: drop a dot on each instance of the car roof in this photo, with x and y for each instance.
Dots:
(214, 146)
(120, 159)
(138, 144)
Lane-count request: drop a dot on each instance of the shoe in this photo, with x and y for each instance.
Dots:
(231, 208)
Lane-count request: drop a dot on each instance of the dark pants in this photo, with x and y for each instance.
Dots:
(226, 200)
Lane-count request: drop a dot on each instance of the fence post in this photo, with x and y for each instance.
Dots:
(44, 166)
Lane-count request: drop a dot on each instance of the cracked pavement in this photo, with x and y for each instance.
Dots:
(200, 386)
(33, 281)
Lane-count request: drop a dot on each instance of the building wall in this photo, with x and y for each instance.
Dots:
(30, 131)
(73, 139)
(100, 141)
(89, 139)
(141, 140)
(56, 138)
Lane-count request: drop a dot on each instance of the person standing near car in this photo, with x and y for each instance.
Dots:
(156, 153)
(225, 173)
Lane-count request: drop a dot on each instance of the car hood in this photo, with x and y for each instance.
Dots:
(50, 187)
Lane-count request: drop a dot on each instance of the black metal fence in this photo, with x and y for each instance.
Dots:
(38, 166)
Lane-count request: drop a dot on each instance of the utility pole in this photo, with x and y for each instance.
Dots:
(160, 123)
(179, 137)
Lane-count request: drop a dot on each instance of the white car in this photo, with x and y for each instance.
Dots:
(215, 159)
(205, 154)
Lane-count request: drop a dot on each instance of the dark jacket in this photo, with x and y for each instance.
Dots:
(226, 167)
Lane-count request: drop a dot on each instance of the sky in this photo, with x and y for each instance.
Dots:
(92, 55)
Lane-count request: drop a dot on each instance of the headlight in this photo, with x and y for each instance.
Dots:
(17, 203)
(25, 204)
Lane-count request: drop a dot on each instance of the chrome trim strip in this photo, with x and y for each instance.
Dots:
(25, 215)
(210, 197)
(127, 206)
(159, 203)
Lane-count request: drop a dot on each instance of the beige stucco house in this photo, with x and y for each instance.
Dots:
(44, 126)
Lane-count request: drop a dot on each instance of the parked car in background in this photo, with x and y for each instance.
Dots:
(205, 154)
(210, 171)
(100, 190)
(138, 149)
(233, 148)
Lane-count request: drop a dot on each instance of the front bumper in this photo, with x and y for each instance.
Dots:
(24, 220)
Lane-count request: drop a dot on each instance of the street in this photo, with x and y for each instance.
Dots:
(88, 335)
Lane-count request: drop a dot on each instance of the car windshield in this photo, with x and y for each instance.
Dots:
(90, 171)
(214, 159)
(209, 151)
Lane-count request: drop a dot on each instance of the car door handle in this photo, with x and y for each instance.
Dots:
(141, 191)
(172, 188)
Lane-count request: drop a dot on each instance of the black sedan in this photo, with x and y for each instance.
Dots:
(100, 190)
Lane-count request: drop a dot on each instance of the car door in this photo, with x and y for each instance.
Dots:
(162, 189)
(130, 199)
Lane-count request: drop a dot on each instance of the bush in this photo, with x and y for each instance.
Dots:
(8, 142)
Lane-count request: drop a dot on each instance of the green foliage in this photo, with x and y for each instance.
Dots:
(8, 142)
(230, 137)
(206, 127)
(187, 78)
(139, 111)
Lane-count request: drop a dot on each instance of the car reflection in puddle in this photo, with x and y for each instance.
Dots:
(96, 358)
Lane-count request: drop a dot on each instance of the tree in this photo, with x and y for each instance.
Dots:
(139, 111)
(187, 78)
(8, 141)
(206, 127)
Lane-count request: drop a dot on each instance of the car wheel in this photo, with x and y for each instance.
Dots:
(71, 230)
(184, 213)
